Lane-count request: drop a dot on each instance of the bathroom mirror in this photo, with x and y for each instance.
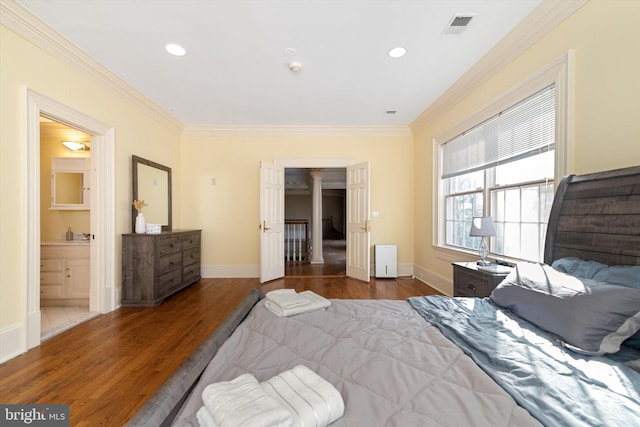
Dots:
(69, 183)
(152, 183)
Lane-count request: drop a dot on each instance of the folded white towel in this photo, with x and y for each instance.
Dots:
(205, 419)
(243, 402)
(314, 401)
(285, 298)
(287, 304)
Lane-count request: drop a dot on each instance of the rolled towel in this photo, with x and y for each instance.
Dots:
(243, 402)
(305, 302)
(314, 401)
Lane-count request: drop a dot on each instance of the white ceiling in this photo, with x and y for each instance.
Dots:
(235, 71)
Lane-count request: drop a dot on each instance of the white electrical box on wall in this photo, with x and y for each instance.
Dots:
(386, 261)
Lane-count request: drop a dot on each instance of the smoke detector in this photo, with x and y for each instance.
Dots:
(458, 24)
(295, 66)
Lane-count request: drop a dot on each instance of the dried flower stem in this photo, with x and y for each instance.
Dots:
(139, 204)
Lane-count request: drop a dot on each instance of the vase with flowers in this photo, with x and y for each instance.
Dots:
(140, 222)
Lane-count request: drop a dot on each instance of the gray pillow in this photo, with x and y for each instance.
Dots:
(578, 267)
(589, 317)
(623, 275)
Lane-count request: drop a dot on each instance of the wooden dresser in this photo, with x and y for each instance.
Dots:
(155, 266)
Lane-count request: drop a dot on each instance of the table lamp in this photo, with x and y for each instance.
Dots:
(482, 226)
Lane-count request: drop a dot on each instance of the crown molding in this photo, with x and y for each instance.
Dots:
(307, 131)
(546, 16)
(24, 23)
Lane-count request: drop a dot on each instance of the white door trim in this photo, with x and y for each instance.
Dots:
(326, 163)
(314, 163)
(103, 296)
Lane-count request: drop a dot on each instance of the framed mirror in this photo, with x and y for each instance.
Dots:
(152, 183)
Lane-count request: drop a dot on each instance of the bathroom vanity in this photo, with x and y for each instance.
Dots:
(64, 273)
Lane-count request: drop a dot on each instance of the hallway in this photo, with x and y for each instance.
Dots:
(334, 253)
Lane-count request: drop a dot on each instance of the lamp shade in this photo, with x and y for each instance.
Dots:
(482, 226)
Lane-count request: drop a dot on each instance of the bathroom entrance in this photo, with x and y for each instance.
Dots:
(65, 217)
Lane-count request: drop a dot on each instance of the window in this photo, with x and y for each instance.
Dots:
(502, 167)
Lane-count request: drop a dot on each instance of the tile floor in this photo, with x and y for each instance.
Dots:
(54, 320)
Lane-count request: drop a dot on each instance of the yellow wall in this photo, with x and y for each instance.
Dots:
(229, 212)
(607, 105)
(22, 63)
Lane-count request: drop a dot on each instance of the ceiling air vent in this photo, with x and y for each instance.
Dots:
(458, 24)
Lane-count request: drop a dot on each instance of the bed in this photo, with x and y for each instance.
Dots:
(555, 344)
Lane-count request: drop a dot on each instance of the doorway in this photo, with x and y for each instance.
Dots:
(102, 291)
(272, 221)
(65, 267)
(298, 217)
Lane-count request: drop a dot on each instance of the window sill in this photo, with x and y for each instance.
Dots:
(455, 254)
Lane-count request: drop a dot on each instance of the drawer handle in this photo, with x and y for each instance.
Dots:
(472, 287)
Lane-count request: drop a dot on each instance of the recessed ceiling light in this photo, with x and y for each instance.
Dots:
(175, 49)
(397, 52)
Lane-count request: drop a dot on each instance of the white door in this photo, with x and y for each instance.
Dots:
(271, 222)
(358, 235)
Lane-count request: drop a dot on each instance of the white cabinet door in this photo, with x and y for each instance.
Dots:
(78, 273)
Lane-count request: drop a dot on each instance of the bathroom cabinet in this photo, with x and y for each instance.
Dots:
(65, 273)
(70, 181)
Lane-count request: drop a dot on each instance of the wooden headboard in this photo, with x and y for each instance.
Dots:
(596, 217)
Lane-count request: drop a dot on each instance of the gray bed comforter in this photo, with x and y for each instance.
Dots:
(558, 386)
(391, 367)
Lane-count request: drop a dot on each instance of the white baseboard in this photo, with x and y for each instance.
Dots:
(217, 271)
(12, 341)
(439, 283)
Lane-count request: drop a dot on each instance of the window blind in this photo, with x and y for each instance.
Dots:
(525, 129)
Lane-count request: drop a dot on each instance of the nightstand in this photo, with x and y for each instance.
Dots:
(472, 280)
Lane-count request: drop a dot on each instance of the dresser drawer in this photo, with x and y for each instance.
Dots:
(191, 256)
(169, 280)
(191, 241)
(169, 262)
(191, 273)
(169, 245)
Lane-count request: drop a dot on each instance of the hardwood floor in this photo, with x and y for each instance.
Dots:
(107, 367)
